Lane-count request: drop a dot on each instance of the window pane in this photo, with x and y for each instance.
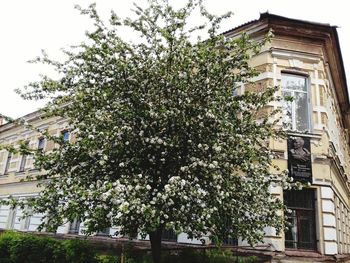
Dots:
(287, 110)
(66, 136)
(299, 198)
(297, 83)
(306, 235)
(169, 235)
(301, 111)
(103, 232)
(235, 91)
(41, 144)
(8, 161)
(74, 227)
(292, 233)
(296, 114)
(23, 160)
(23, 163)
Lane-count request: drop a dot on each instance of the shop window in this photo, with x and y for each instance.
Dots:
(301, 233)
(296, 113)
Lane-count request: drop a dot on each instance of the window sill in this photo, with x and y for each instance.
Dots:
(305, 134)
(302, 252)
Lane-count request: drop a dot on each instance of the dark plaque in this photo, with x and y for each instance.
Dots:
(299, 159)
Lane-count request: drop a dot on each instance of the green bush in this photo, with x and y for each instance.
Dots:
(5, 245)
(108, 259)
(190, 256)
(25, 248)
(79, 251)
(16, 247)
(204, 256)
(134, 256)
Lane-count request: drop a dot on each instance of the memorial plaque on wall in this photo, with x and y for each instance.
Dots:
(299, 159)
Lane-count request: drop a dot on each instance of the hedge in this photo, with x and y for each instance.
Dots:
(16, 247)
(26, 248)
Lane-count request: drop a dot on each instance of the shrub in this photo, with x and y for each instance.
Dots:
(26, 248)
(79, 251)
(23, 248)
(5, 245)
(205, 256)
(190, 256)
(108, 259)
(133, 256)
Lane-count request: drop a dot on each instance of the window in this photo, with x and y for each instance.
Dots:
(65, 135)
(23, 161)
(301, 233)
(169, 235)
(235, 91)
(227, 239)
(226, 231)
(26, 222)
(8, 161)
(132, 235)
(103, 232)
(297, 112)
(11, 218)
(74, 227)
(41, 144)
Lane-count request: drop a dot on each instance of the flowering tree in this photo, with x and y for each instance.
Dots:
(162, 141)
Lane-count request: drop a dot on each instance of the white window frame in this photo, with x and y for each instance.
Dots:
(12, 218)
(7, 165)
(293, 103)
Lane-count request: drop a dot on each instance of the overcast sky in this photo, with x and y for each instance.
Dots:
(27, 27)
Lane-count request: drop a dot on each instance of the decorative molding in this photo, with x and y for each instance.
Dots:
(295, 56)
(296, 63)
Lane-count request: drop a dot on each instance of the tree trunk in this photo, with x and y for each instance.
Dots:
(156, 244)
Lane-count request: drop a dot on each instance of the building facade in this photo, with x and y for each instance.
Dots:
(304, 60)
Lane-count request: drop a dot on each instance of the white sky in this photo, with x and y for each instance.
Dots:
(26, 27)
